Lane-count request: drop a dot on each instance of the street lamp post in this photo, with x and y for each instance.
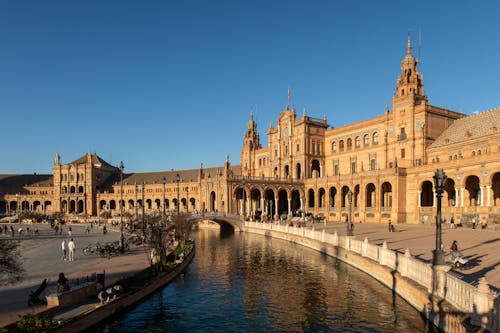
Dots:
(177, 179)
(349, 219)
(439, 181)
(164, 181)
(142, 206)
(122, 240)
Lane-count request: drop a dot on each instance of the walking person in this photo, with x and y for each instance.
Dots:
(71, 248)
(70, 231)
(63, 248)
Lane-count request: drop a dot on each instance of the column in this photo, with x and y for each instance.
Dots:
(301, 204)
(289, 207)
(276, 205)
(481, 195)
(419, 198)
(488, 195)
(433, 198)
(457, 198)
(461, 197)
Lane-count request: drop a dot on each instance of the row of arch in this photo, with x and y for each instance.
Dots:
(72, 189)
(150, 204)
(470, 195)
(12, 206)
(348, 143)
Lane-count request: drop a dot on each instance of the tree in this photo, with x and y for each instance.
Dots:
(11, 268)
(183, 224)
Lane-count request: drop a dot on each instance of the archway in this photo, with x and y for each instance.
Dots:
(426, 195)
(72, 206)
(64, 206)
(80, 206)
(102, 204)
(36, 206)
(212, 201)
(298, 171)
(282, 202)
(295, 203)
(287, 171)
(472, 187)
(112, 204)
(255, 205)
(315, 166)
(386, 195)
(333, 194)
(130, 204)
(321, 199)
(3, 207)
(370, 195)
(495, 182)
(158, 203)
(80, 189)
(270, 208)
(345, 190)
(449, 190)
(310, 198)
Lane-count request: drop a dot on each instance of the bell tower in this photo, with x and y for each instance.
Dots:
(410, 82)
(250, 144)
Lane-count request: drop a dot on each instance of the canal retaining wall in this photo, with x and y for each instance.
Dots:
(450, 303)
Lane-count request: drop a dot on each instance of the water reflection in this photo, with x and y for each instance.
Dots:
(250, 283)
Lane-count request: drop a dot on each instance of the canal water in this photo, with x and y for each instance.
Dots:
(240, 282)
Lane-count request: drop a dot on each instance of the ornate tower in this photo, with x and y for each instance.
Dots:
(410, 82)
(250, 144)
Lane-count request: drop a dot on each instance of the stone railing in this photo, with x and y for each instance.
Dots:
(481, 304)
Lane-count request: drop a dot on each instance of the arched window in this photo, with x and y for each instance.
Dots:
(341, 145)
(349, 144)
(334, 147)
(366, 140)
(357, 142)
(375, 138)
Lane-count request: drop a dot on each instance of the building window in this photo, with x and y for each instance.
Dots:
(335, 167)
(298, 147)
(341, 145)
(358, 142)
(353, 167)
(349, 144)
(334, 147)
(402, 134)
(372, 164)
(403, 153)
(366, 140)
(375, 138)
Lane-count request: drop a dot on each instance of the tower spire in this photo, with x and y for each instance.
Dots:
(408, 48)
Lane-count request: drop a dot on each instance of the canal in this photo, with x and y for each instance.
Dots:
(240, 282)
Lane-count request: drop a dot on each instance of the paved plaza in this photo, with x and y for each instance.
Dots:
(42, 256)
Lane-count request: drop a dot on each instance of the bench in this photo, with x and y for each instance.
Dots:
(72, 296)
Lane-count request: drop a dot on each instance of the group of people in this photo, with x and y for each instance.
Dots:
(4, 229)
(68, 250)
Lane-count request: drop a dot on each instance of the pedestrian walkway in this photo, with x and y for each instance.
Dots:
(42, 259)
(480, 246)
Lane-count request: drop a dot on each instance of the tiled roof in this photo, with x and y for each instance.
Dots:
(469, 128)
(95, 159)
(15, 183)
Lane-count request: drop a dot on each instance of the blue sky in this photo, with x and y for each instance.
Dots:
(168, 84)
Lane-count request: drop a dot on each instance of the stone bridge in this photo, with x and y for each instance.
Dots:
(226, 220)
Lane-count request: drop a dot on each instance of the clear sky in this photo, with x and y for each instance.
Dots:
(168, 84)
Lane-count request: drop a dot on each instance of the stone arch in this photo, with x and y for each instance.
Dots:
(370, 198)
(310, 198)
(72, 189)
(349, 144)
(192, 203)
(64, 190)
(72, 206)
(345, 190)
(295, 202)
(269, 199)
(333, 194)
(495, 186)
(386, 195)
(212, 206)
(81, 206)
(472, 187)
(287, 171)
(158, 203)
(36, 206)
(426, 194)
(321, 197)
(166, 203)
(255, 200)
(282, 202)
(80, 189)
(64, 206)
(3, 207)
(102, 204)
(298, 171)
(131, 204)
(149, 204)
(315, 166)
(449, 192)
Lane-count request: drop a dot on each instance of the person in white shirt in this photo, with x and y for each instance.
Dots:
(71, 248)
